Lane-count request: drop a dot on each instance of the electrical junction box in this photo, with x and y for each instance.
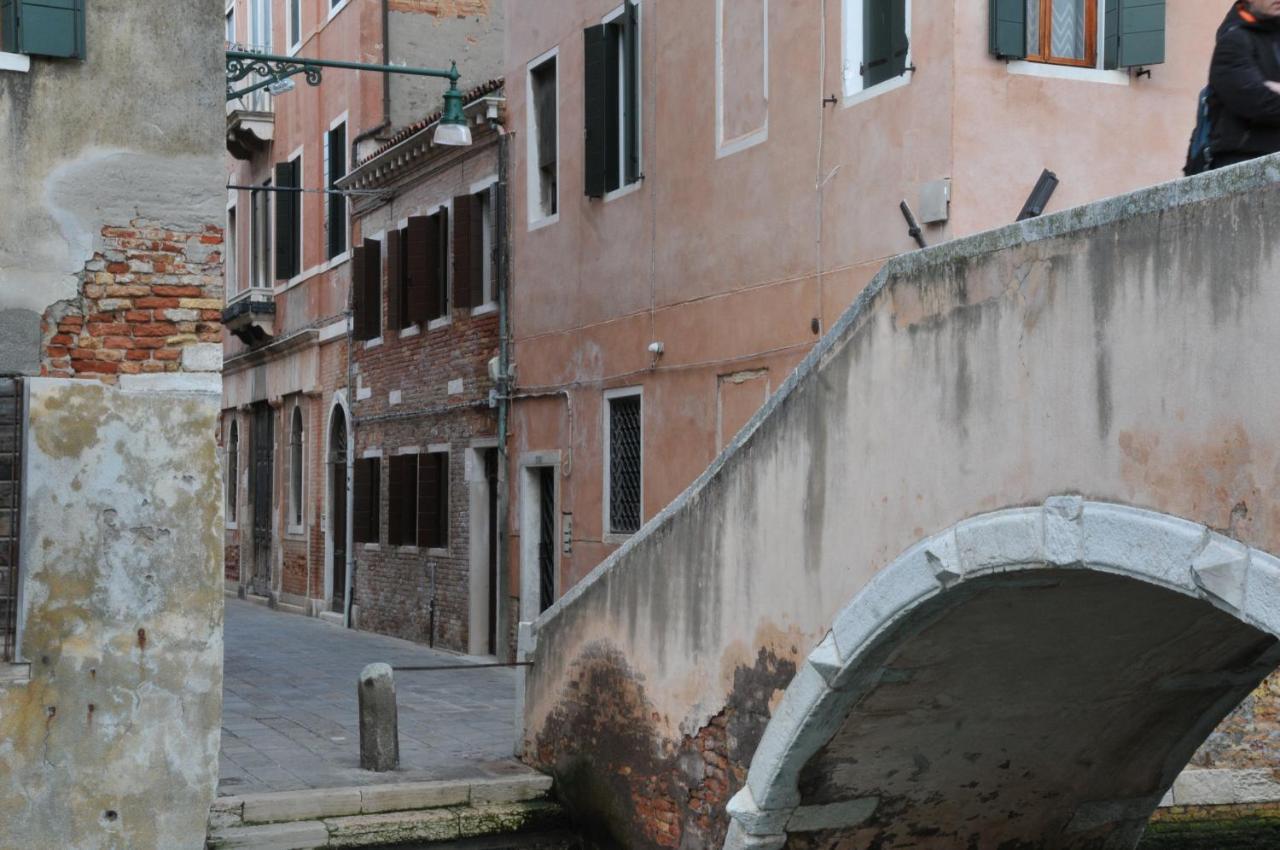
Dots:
(935, 201)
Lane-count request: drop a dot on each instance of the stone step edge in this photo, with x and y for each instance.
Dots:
(451, 823)
(319, 803)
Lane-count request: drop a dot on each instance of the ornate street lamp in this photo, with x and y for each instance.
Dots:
(276, 70)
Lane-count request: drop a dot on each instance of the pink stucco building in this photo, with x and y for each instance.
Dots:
(703, 188)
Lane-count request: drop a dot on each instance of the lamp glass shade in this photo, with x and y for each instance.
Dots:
(455, 135)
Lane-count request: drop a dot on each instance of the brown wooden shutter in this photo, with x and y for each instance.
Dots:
(434, 250)
(394, 285)
(433, 500)
(364, 520)
(358, 307)
(465, 259)
(441, 301)
(395, 510)
(419, 264)
(478, 202)
(373, 288)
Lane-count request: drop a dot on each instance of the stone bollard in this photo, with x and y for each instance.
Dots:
(379, 732)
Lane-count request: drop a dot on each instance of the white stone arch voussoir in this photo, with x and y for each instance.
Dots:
(1066, 531)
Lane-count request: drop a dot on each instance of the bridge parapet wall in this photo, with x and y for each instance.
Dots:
(1122, 351)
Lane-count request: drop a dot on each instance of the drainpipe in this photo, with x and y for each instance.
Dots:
(351, 390)
(349, 531)
(504, 388)
(386, 90)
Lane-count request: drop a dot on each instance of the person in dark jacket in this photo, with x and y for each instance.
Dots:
(1245, 78)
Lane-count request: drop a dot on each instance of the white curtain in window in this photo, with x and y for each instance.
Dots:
(1067, 37)
(1068, 29)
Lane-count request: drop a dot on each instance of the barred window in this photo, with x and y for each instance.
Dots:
(295, 469)
(10, 503)
(624, 463)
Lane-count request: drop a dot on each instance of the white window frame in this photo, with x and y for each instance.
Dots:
(625, 188)
(230, 16)
(851, 29)
(1097, 74)
(536, 217)
(728, 147)
(297, 501)
(336, 6)
(610, 396)
(264, 263)
(490, 302)
(259, 33)
(295, 38)
(231, 257)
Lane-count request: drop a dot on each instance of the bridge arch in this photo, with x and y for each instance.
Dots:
(957, 649)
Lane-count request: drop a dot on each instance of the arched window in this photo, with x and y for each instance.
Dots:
(295, 468)
(233, 470)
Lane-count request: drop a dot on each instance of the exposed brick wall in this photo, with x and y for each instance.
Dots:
(394, 585)
(231, 555)
(293, 578)
(629, 785)
(150, 292)
(443, 8)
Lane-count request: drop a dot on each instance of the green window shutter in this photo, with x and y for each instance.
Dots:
(288, 211)
(631, 44)
(595, 108)
(49, 28)
(1009, 29)
(884, 44)
(9, 26)
(337, 203)
(1134, 33)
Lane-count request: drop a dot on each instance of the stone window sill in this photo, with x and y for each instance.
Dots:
(14, 674)
(15, 62)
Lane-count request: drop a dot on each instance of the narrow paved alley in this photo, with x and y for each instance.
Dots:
(289, 708)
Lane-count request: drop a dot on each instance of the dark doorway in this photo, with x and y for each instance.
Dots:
(338, 507)
(261, 488)
(547, 536)
(491, 478)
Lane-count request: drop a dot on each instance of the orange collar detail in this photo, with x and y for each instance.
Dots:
(1248, 16)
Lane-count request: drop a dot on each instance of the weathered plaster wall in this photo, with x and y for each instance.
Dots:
(111, 267)
(133, 133)
(113, 741)
(433, 33)
(1120, 351)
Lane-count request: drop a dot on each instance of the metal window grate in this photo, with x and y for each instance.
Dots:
(624, 465)
(10, 501)
(547, 536)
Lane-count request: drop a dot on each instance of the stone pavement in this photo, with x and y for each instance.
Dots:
(289, 717)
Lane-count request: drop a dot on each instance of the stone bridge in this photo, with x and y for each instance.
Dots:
(985, 572)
